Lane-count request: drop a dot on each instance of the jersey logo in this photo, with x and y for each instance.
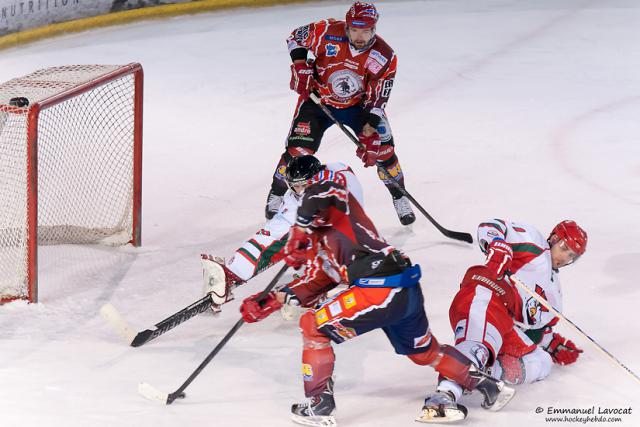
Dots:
(302, 33)
(332, 49)
(372, 66)
(302, 128)
(386, 88)
(378, 57)
(345, 84)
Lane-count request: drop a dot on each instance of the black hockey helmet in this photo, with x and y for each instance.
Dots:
(302, 168)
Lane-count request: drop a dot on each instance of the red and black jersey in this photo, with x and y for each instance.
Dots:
(340, 226)
(345, 75)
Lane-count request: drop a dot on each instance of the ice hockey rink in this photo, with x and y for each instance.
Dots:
(525, 110)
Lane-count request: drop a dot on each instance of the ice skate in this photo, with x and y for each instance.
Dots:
(318, 411)
(404, 211)
(496, 393)
(273, 204)
(441, 407)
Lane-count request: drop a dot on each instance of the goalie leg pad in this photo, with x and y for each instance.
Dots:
(215, 280)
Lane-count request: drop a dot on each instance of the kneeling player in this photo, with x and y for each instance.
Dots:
(340, 245)
(265, 248)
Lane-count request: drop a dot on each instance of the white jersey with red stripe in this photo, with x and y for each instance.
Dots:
(531, 265)
(262, 250)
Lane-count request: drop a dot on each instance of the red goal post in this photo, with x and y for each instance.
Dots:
(70, 165)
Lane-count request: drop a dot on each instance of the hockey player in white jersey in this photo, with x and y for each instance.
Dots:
(501, 328)
(264, 249)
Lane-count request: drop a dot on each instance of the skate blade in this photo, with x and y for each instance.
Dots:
(317, 420)
(504, 397)
(449, 415)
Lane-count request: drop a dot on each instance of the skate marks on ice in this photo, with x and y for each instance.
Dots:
(607, 162)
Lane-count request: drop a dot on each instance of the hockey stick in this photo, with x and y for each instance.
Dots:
(113, 317)
(457, 235)
(110, 313)
(152, 393)
(556, 313)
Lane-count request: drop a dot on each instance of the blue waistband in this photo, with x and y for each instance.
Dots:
(406, 279)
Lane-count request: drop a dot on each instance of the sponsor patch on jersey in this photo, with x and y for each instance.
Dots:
(307, 372)
(332, 49)
(335, 308)
(302, 128)
(386, 88)
(321, 316)
(422, 341)
(371, 281)
(349, 300)
(373, 66)
(335, 38)
(344, 332)
(378, 57)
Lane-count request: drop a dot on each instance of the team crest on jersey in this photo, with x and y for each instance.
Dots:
(332, 49)
(302, 33)
(345, 84)
(282, 170)
(534, 308)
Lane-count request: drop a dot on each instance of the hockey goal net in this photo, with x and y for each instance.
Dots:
(70, 165)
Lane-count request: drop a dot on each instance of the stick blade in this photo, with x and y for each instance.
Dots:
(117, 322)
(152, 393)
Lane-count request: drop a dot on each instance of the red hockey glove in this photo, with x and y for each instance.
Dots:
(301, 78)
(296, 249)
(368, 153)
(562, 350)
(253, 310)
(499, 257)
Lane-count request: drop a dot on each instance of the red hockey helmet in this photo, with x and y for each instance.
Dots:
(574, 236)
(362, 15)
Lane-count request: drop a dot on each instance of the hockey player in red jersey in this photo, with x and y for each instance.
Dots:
(353, 73)
(500, 327)
(338, 244)
(266, 246)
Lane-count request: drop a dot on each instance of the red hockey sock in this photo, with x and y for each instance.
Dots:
(317, 368)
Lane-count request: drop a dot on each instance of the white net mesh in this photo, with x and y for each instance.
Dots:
(85, 165)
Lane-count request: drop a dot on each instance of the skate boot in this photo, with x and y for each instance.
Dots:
(318, 411)
(496, 393)
(404, 211)
(441, 407)
(273, 204)
(218, 280)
